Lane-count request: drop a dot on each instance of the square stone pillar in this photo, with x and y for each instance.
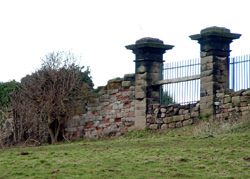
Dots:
(148, 70)
(215, 52)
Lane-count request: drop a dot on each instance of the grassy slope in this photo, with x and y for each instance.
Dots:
(145, 154)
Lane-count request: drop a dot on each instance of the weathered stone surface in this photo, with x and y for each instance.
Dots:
(140, 95)
(245, 98)
(156, 111)
(164, 126)
(140, 122)
(168, 120)
(227, 99)
(163, 110)
(245, 113)
(187, 122)
(187, 116)
(171, 125)
(216, 103)
(231, 109)
(179, 124)
(185, 112)
(243, 104)
(163, 115)
(178, 118)
(246, 108)
(159, 121)
(220, 95)
(236, 100)
(153, 126)
(151, 120)
(246, 93)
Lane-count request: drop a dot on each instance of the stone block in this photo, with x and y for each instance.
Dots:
(246, 108)
(154, 76)
(245, 113)
(131, 119)
(185, 112)
(203, 106)
(231, 109)
(164, 126)
(163, 110)
(153, 126)
(236, 100)
(206, 73)
(207, 59)
(140, 83)
(227, 99)
(120, 115)
(140, 112)
(132, 88)
(180, 111)
(128, 83)
(187, 122)
(178, 118)
(246, 93)
(140, 122)
(187, 116)
(141, 69)
(237, 109)
(163, 115)
(159, 121)
(209, 112)
(216, 103)
(228, 105)
(178, 124)
(171, 125)
(220, 95)
(125, 94)
(76, 117)
(207, 99)
(168, 120)
(129, 77)
(243, 104)
(151, 120)
(105, 96)
(245, 98)
(140, 95)
(112, 91)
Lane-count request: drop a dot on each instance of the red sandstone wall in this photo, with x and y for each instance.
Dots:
(110, 112)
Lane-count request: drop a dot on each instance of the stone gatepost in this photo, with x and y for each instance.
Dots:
(215, 51)
(148, 70)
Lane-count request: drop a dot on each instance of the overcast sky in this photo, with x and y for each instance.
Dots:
(99, 30)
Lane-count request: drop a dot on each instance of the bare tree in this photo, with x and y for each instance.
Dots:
(49, 94)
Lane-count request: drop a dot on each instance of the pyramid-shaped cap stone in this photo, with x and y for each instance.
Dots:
(215, 29)
(149, 40)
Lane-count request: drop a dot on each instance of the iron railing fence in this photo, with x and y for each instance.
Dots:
(181, 82)
(239, 72)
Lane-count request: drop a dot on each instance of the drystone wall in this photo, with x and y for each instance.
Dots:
(230, 105)
(110, 112)
(172, 116)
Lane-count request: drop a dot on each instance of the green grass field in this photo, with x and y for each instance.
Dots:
(183, 153)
